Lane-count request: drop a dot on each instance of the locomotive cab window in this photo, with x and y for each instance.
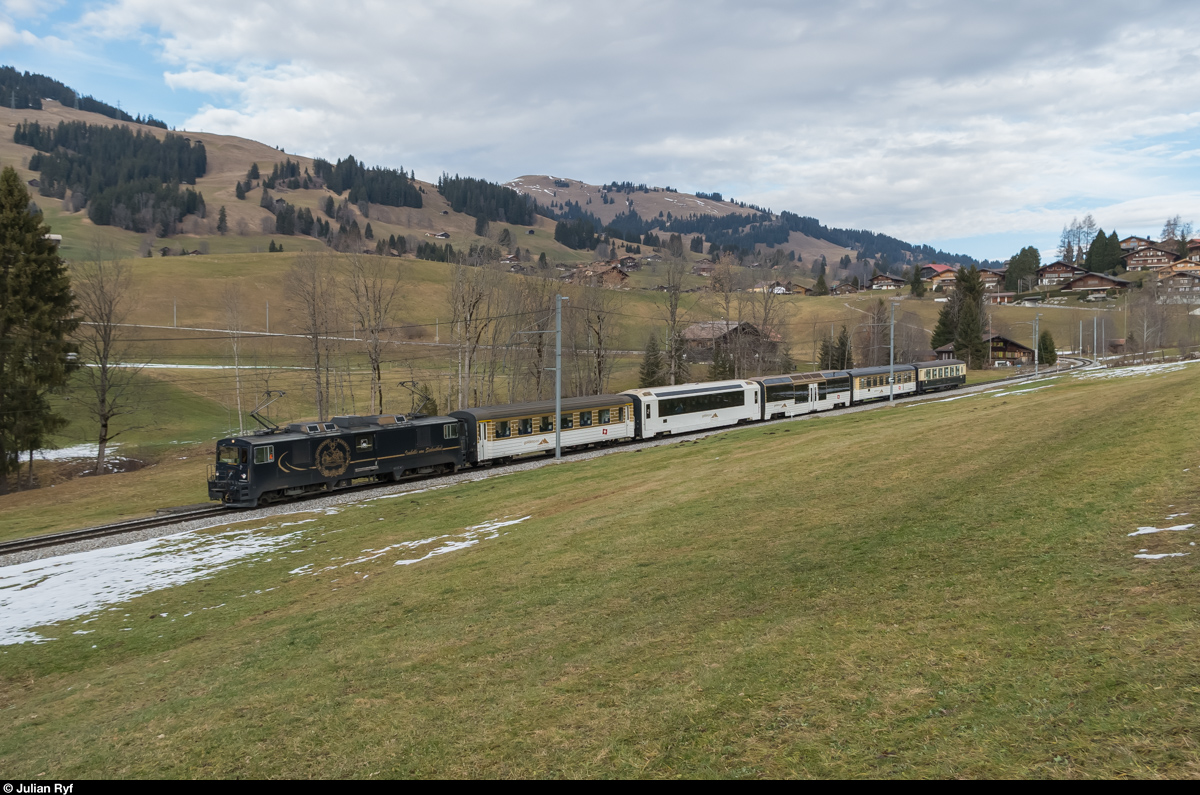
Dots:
(525, 426)
(585, 419)
(230, 455)
(364, 443)
(265, 454)
(450, 431)
(605, 416)
(503, 429)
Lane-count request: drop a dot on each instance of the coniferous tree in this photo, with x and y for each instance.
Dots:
(651, 372)
(1022, 266)
(916, 282)
(721, 368)
(271, 248)
(1046, 352)
(825, 356)
(368, 233)
(821, 288)
(222, 222)
(697, 244)
(36, 320)
(843, 351)
(239, 191)
(855, 283)
(481, 226)
(968, 334)
(253, 172)
(330, 208)
(947, 325)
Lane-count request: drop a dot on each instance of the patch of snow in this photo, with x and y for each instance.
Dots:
(1163, 555)
(1141, 369)
(1174, 515)
(61, 588)
(1142, 531)
(79, 451)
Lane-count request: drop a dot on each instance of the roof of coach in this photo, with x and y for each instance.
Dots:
(881, 370)
(540, 407)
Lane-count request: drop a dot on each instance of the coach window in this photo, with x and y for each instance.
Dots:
(264, 455)
(567, 421)
(647, 411)
(364, 443)
(503, 429)
(621, 414)
(525, 426)
(546, 425)
(605, 416)
(450, 431)
(585, 419)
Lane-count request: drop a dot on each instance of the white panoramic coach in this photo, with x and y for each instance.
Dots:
(665, 410)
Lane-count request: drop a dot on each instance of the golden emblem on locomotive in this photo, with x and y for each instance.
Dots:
(333, 457)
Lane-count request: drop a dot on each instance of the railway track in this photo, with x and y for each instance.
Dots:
(100, 531)
(133, 525)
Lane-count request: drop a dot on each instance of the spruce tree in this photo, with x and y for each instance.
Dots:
(968, 337)
(947, 324)
(239, 191)
(825, 356)
(916, 282)
(330, 208)
(253, 172)
(843, 351)
(821, 287)
(271, 248)
(1046, 352)
(651, 371)
(368, 233)
(36, 320)
(222, 222)
(721, 368)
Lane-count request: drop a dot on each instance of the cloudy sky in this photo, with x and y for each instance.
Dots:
(978, 127)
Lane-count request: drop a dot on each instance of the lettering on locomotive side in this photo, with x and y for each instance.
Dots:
(333, 457)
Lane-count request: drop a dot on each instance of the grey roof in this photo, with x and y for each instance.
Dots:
(881, 370)
(537, 407)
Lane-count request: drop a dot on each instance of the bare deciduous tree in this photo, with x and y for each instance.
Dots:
(471, 298)
(373, 284)
(104, 293)
(313, 300)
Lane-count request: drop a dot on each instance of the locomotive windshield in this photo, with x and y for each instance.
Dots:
(230, 455)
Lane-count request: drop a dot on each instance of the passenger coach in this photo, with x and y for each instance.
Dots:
(499, 433)
(940, 375)
(683, 408)
(802, 393)
(872, 383)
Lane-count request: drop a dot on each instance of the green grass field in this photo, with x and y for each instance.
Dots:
(939, 590)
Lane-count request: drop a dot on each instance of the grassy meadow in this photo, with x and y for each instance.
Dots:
(945, 589)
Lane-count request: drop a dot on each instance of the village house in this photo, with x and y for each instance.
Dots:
(1003, 351)
(1148, 257)
(799, 289)
(885, 281)
(1095, 283)
(511, 259)
(1185, 284)
(628, 263)
(999, 297)
(845, 288)
(945, 280)
(929, 271)
(1134, 243)
(776, 287)
(600, 275)
(700, 339)
(992, 278)
(703, 268)
(1058, 272)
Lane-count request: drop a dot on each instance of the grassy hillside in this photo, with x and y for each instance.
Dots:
(933, 591)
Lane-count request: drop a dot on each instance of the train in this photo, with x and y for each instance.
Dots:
(313, 457)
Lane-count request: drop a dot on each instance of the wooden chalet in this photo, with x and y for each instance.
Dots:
(702, 338)
(929, 271)
(1058, 272)
(1181, 283)
(703, 268)
(799, 289)
(777, 287)
(1095, 283)
(845, 288)
(1000, 349)
(600, 275)
(946, 279)
(885, 281)
(999, 297)
(991, 280)
(1134, 243)
(1148, 257)
(628, 263)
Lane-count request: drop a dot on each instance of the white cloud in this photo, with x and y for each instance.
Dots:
(925, 120)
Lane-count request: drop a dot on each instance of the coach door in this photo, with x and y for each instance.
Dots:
(812, 397)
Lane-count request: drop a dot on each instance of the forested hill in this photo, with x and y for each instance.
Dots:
(26, 90)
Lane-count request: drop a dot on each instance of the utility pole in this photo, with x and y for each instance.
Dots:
(268, 317)
(558, 302)
(1095, 334)
(892, 358)
(175, 312)
(1035, 343)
